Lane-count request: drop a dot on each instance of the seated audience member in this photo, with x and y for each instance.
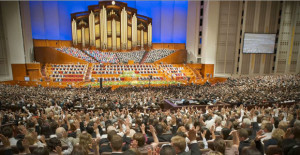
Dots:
(116, 144)
(23, 147)
(40, 151)
(244, 139)
(179, 144)
(8, 132)
(86, 140)
(161, 135)
(251, 150)
(53, 144)
(167, 150)
(79, 150)
(276, 138)
(141, 140)
(291, 142)
(268, 131)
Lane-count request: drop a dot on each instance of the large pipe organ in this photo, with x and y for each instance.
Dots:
(111, 25)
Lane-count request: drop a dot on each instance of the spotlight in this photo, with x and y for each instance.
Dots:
(113, 2)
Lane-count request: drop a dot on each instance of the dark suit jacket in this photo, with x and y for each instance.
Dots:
(194, 150)
(269, 142)
(244, 144)
(105, 147)
(161, 138)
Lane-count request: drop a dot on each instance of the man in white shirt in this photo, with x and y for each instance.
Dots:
(268, 131)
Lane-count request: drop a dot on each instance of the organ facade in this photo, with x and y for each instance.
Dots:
(111, 26)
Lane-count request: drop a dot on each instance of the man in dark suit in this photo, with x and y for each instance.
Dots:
(179, 144)
(105, 142)
(162, 137)
(116, 145)
(244, 139)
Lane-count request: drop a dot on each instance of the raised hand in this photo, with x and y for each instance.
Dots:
(203, 134)
(152, 130)
(212, 131)
(155, 151)
(58, 150)
(95, 143)
(259, 135)
(143, 128)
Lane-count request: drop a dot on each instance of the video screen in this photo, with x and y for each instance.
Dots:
(259, 43)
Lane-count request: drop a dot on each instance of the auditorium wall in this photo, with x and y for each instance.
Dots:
(228, 37)
(192, 38)
(288, 50)
(210, 32)
(11, 40)
(236, 19)
(50, 55)
(51, 19)
(224, 25)
(207, 39)
(26, 30)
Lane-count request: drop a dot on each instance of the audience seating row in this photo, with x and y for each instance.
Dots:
(76, 53)
(147, 78)
(157, 54)
(66, 72)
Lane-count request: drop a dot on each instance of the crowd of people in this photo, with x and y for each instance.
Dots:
(132, 120)
(157, 54)
(136, 56)
(94, 56)
(75, 52)
(103, 57)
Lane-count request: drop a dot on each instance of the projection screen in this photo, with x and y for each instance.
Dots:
(259, 43)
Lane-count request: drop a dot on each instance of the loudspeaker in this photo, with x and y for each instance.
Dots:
(101, 83)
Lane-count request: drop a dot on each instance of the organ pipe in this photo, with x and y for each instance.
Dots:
(86, 31)
(114, 35)
(92, 28)
(82, 36)
(149, 35)
(74, 32)
(142, 39)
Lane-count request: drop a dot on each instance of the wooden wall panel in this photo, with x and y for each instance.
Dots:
(178, 57)
(51, 43)
(178, 46)
(207, 69)
(39, 43)
(19, 71)
(157, 45)
(196, 66)
(68, 43)
(33, 71)
(33, 66)
(50, 55)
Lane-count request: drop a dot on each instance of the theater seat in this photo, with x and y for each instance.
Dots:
(273, 150)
